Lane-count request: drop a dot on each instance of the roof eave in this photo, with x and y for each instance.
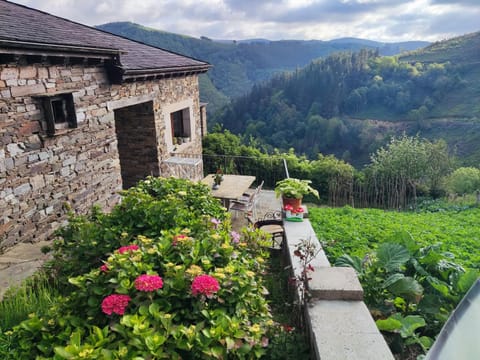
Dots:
(35, 48)
(166, 72)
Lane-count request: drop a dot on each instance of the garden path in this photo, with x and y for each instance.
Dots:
(19, 262)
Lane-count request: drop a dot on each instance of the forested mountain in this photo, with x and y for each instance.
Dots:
(348, 104)
(238, 65)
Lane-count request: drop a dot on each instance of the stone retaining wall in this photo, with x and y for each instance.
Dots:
(39, 174)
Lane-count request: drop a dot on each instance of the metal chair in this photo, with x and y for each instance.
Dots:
(247, 203)
(272, 224)
(248, 207)
(246, 195)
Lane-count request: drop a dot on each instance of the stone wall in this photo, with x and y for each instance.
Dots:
(81, 166)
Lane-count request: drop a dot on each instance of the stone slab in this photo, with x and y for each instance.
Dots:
(335, 283)
(345, 330)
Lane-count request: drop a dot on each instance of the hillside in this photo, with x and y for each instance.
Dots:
(463, 52)
(349, 104)
(238, 65)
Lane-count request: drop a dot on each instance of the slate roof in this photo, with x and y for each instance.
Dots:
(19, 23)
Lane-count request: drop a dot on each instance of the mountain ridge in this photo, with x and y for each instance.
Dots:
(239, 65)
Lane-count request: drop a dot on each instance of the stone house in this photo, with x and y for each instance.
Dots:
(83, 114)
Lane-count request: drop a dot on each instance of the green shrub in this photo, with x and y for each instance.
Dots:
(154, 205)
(189, 291)
(464, 180)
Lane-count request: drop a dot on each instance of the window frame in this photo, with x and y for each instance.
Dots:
(51, 105)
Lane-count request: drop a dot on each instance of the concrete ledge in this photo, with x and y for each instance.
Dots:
(298, 231)
(345, 330)
(338, 323)
(336, 283)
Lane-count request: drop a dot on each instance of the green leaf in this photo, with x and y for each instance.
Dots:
(439, 285)
(60, 351)
(217, 352)
(407, 287)
(426, 342)
(76, 339)
(392, 256)
(389, 324)
(392, 279)
(98, 333)
(467, 279)
(410, 324)
(350, 261)
(406, 239)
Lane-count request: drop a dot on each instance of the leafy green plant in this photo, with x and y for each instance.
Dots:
(154, 205)
(294, 188)
(405, 328)
(408, 287)
(185, 292)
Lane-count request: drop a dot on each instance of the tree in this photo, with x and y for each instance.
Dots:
(464, 180)
(397, 170)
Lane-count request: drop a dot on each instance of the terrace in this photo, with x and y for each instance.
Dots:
(336, 319)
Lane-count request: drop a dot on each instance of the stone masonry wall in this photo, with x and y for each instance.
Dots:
(81, 167)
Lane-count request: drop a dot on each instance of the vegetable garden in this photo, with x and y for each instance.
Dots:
(414, 266)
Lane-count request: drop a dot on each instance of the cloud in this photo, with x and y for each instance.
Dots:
(384, 20)
(475, 3)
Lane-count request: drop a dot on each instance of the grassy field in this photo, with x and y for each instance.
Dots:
(357, 231)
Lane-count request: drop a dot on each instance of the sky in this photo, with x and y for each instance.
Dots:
(379, 20)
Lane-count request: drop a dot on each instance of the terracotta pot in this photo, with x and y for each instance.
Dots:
(296, 203)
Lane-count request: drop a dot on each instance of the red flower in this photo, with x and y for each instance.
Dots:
(115, 304)
(205, 284)
(127, 248)
(148, 282)
(299, 210)
(104, 268)
(178, 238)
(288, 207)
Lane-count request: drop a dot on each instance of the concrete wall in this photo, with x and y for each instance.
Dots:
(338, 322)
(80, 166)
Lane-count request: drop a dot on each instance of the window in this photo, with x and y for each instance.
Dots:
(59, 113)
(180, 122)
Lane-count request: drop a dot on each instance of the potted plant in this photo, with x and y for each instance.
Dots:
(292, 191)
(217, 179)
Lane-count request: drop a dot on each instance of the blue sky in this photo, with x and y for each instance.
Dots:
(381, 20)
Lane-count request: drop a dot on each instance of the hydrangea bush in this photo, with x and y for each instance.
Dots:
(184, 292)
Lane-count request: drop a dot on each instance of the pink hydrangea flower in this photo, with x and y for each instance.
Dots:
(148, 282)
(128, 248)
(104, 268)
(215, 222)
(235, 237)
(115, 304)
(205, 285)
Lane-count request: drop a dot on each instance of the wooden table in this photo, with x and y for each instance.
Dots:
(231, 188)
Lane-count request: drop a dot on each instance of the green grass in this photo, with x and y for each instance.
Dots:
(357, 231)
(36, 294)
